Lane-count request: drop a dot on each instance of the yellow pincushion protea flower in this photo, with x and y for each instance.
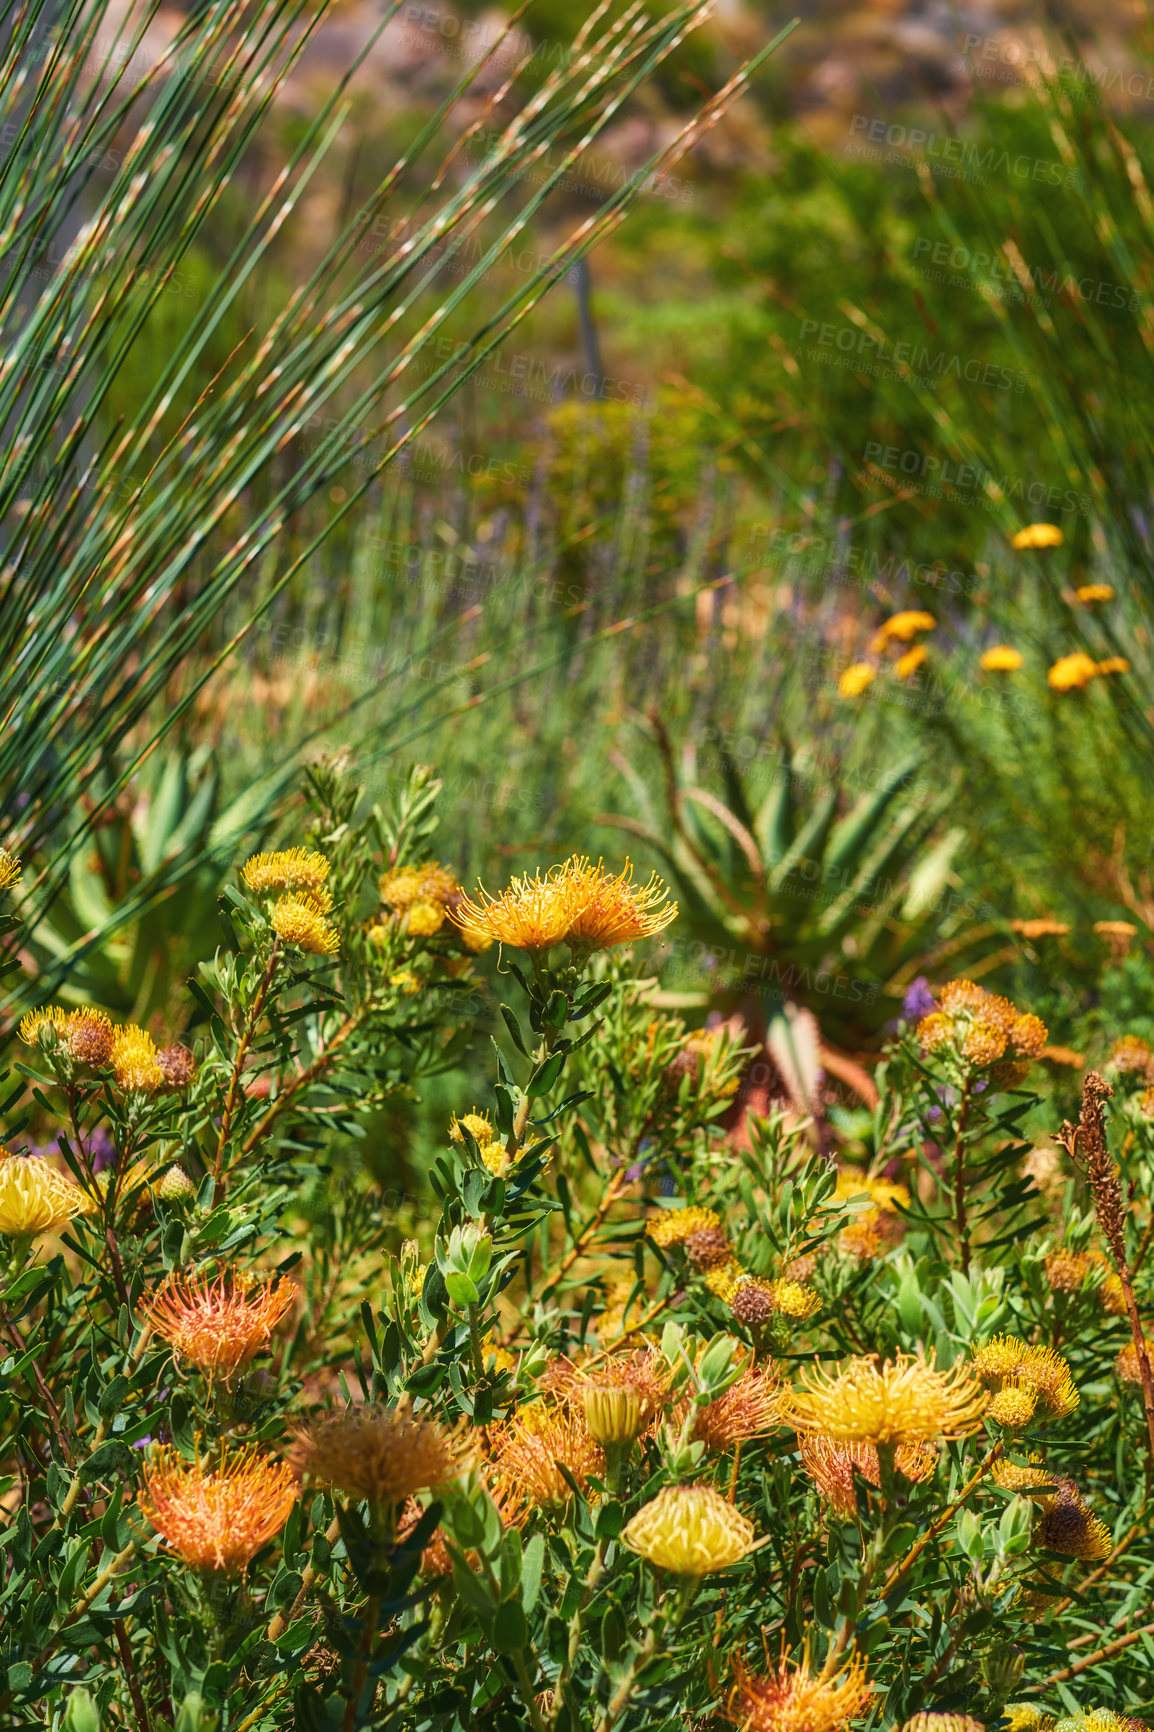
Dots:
(1031, 1475)
(1114, 665)
(1072, 672)
(135, 1061)
(1067, 1270)
(577, 904)
(1013, 1406)
(1003, 1360)
(46, 1028)
(904, 1401)
(9, 870)
(292, 870)
(217, 1521)
(35, 1198)
(301, 920)
(794, 1299)
(981, 1029)
(1036, 535)
(382, 1454)
(792, 1699)
(855, 679)
(689, 1530)
(1095, 592)
(1001, 658)
(492, 1149)
(1025, 1717)
(425, 919)
(220, 1324)
(725, 1279)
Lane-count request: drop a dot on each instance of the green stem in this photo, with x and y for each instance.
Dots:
(660, 1629)
(960, 1178)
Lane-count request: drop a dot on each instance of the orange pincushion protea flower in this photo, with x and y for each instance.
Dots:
(526, 1455)
(578, 904)
(751, 1407)
(981, 1029)
(793, 1700)
(830, 1465)
(219, 1325)
(220, 1520)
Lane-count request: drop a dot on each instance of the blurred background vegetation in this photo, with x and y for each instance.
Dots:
(895, 306)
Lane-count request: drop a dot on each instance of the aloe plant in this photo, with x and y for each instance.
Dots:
(821, 904)
(140, 903)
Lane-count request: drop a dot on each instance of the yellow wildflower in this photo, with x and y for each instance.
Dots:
(135, 1061)
(1095, 592)
(1001, 659)
(1072, 671)
(1037, 535)
(904, 626)
(9, 870)
(855, 679)
(34, 1197)
(910, 662)
(1114, 665)
(577, 903)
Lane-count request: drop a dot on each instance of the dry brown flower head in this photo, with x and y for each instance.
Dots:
(382, 1454)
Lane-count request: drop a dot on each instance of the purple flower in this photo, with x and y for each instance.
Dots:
(919, 1000)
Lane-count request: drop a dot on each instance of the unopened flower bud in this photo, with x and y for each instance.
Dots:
(81, 1714)
(176, 1187)
(1002, 1669)
(614, 1414)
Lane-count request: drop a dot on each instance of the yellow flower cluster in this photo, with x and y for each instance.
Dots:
(1001, 658)
(577, 904)
(1036, 535)
(481, 1129)
(1075, 671)
(904, 627)
(983, 1032)
(88, 1037)
(9, 870)
(868, 1232)
(301, 919)
(1066, 1525)
(752, 1301)
(902, 1401)
(421, 896)
(1024, 1378)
